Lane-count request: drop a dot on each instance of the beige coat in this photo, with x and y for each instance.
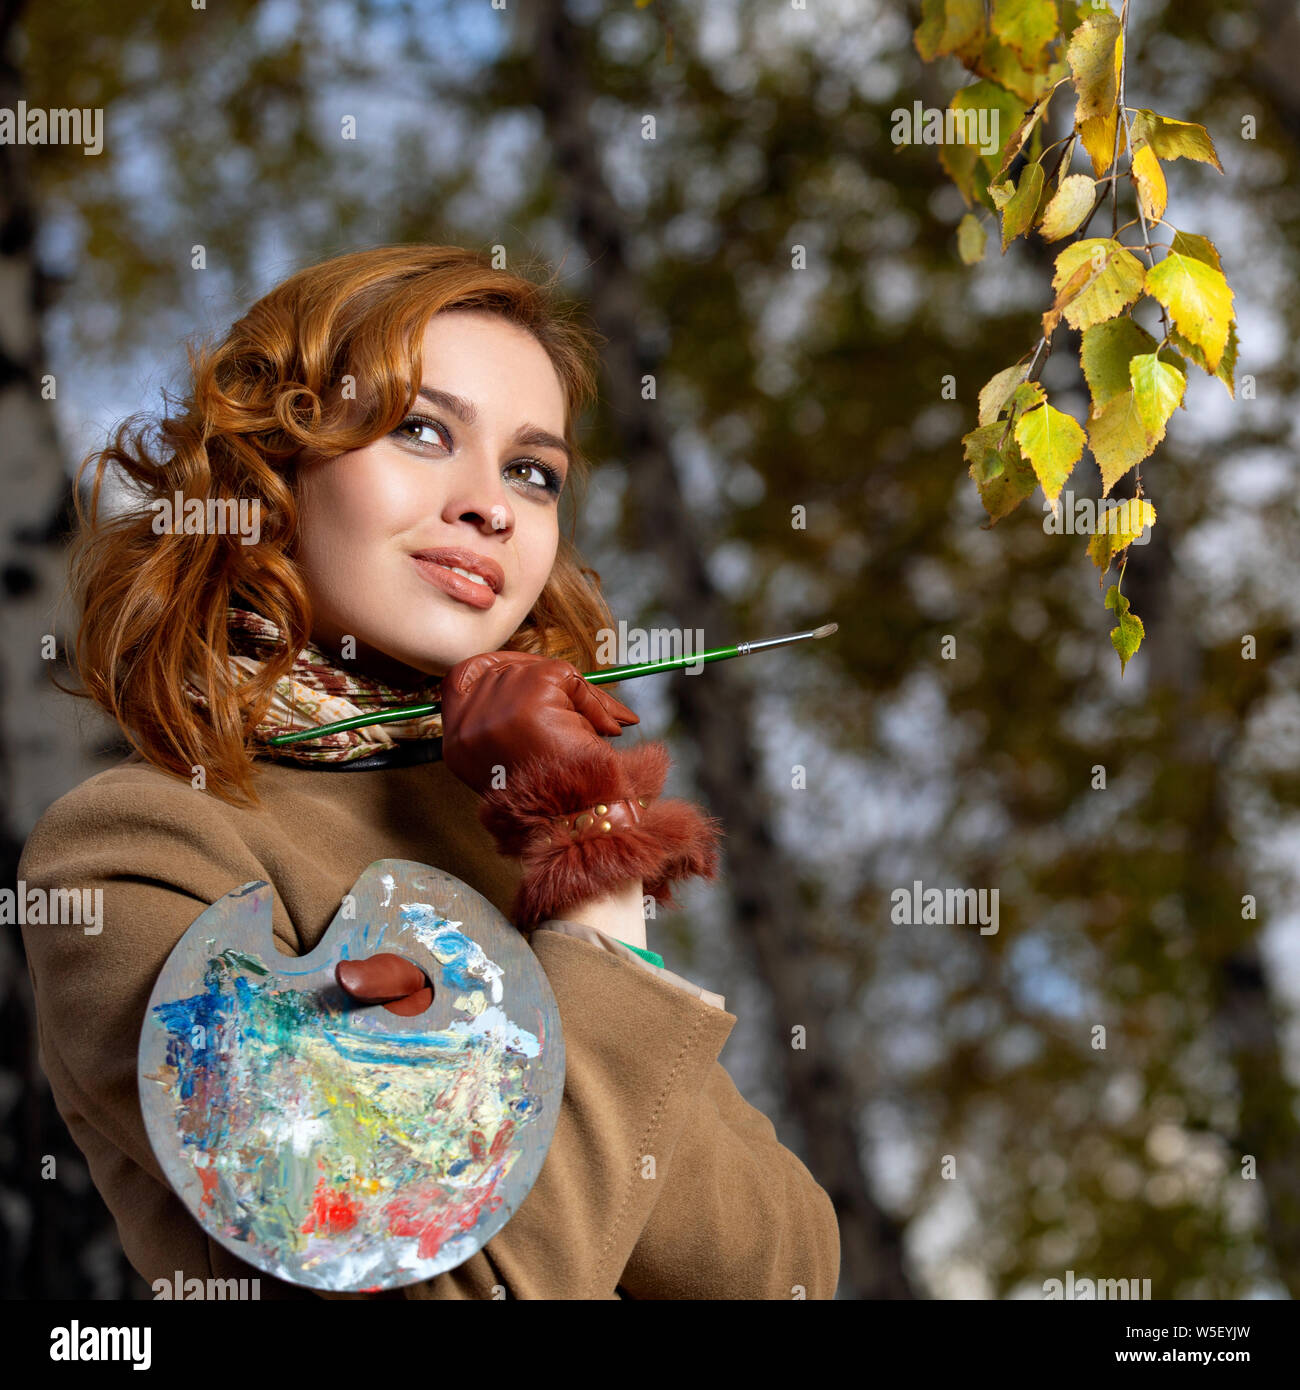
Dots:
(731, 1213)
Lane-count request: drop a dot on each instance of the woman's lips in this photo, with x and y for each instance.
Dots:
(466, 590)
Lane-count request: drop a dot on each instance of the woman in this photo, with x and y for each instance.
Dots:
(401, 423)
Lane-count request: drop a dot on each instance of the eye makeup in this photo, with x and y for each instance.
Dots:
(553, 479)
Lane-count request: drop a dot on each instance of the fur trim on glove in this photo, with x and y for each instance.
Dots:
(673, 839)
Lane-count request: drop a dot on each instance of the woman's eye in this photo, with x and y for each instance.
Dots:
(538, 474)
(415, 429)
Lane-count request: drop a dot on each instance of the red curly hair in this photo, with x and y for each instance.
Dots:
(266, 401)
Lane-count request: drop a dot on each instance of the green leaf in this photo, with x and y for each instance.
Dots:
(966, 165)
(1126, 637)
(1094, 59)
(1175, 139)
(1028, 26)
(1105, 353)
(1118, 439)
(1003, 478)
(1052, 442)
(1227, 363)
(1157, 390)
(1002, 65)
(971, 239)
(1095, 280)
(948, 26)
(1070, 204)
(998, 390)
(1018, 212)
(1071, 13)
(1118, 527)
(1199, 301)
(1002, 193)
(1199, 248)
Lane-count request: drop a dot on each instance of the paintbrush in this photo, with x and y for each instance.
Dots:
(602, 677)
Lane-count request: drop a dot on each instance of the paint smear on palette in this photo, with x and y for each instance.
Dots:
(333, 1145)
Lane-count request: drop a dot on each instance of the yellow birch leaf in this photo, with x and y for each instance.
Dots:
(1094, 57)
(1201, 248)
(1175, 139)
(1070, 204)
(1199, 300)
(1098, 136)
(1052, 442)
(1064, 295)
(1118, 439)
(1095, 279)
(1117, 528)
(1157, 391)
(1152, 191)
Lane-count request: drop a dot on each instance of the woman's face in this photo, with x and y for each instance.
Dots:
(470, 478)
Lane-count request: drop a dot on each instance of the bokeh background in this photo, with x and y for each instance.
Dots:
(843, 769)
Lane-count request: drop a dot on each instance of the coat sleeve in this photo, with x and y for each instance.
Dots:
(158, 862)
(739, 1216)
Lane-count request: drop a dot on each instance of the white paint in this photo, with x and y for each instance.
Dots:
(494, 1026)
(447, 944)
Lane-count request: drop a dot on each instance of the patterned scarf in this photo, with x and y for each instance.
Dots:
(317, 691)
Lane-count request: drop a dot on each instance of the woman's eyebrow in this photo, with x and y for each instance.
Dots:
(466, 412)
(542, 439)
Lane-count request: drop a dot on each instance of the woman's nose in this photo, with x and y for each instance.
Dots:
(483, 499)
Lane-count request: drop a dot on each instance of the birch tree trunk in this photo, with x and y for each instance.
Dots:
(52, 1220)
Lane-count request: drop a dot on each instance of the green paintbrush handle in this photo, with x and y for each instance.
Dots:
(604, 676)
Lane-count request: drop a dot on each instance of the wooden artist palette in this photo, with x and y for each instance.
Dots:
(339, 1145)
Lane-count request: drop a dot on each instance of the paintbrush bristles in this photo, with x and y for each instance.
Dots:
(826, 629)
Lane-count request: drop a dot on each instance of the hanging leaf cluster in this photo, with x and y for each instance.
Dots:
(1039, 65)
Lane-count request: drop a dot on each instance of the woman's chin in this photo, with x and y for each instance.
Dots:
(402, 666)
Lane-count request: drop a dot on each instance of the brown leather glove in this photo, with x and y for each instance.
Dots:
(500, 708)
(581, 815)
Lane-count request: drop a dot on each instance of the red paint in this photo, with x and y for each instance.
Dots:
(208, 1177)
(332, 1211)
(409, 1216)
(502, 1141)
